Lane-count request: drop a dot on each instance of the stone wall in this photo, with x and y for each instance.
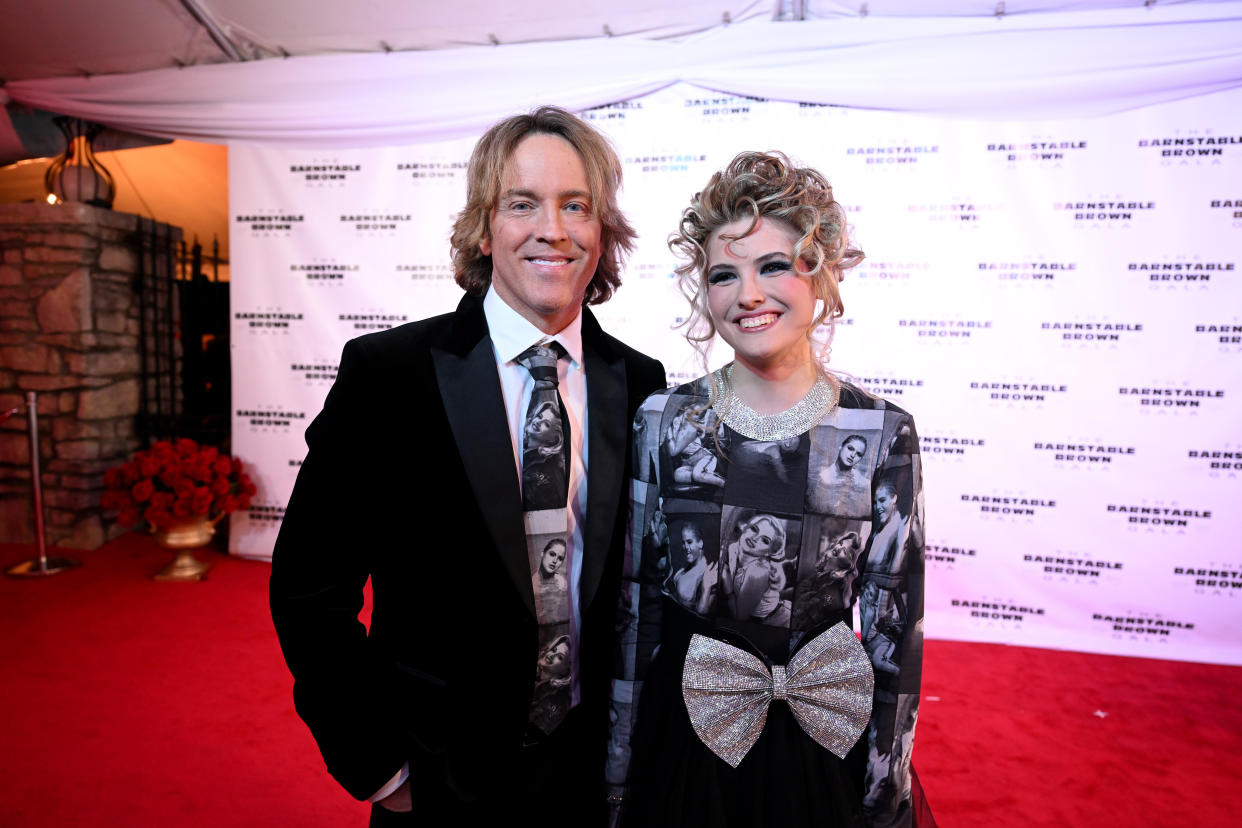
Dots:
(69, 330)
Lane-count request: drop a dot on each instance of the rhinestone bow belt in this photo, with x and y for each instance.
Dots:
(828, 685)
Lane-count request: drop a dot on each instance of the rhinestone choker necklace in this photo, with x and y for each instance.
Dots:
(791, 422)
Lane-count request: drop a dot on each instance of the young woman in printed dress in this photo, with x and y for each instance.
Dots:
(822, 734)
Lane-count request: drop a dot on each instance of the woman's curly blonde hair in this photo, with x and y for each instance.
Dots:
(765, 185)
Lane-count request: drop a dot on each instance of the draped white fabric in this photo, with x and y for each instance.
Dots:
(1038, 65)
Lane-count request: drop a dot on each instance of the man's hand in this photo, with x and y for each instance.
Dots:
(399, 800)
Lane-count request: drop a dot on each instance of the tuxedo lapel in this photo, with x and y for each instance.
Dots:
(470, 389)
(607, 429)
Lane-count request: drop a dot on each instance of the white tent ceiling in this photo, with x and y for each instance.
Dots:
(293, 70)
(385, 72)
(60, 38)
(69, 38)
(51, 38)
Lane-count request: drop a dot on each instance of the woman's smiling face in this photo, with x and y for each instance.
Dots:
(884, 504)
(762, 305)
(692, 543)
(759, 537)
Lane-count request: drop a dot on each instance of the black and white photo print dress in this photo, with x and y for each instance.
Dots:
(764, 545)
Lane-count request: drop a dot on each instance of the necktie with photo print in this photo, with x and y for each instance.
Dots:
(545, 495)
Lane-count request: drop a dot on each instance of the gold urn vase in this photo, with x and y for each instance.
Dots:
(183, 537)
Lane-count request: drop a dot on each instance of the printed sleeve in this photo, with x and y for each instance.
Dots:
(891, 620)
(644, 569)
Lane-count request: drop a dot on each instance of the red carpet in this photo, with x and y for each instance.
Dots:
(130, 702)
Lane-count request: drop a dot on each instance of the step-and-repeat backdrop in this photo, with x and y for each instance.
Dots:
(1058, 304)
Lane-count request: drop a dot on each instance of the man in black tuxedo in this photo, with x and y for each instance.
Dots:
(413, 479)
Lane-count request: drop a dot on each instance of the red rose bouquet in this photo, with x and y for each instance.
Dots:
(171, 482)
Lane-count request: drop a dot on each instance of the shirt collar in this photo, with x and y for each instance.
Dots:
(513, 333)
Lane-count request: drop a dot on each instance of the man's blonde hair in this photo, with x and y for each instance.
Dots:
(485, 176)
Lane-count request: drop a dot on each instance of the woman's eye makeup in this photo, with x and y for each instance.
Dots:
(769, 268)
(776, 266)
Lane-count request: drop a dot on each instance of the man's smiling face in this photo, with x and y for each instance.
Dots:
(544, 235)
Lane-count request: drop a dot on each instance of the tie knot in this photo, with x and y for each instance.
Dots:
(541, 361)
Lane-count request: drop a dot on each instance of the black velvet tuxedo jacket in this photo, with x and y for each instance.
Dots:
(410, 480)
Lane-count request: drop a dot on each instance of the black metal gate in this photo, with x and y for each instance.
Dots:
(183, 343)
